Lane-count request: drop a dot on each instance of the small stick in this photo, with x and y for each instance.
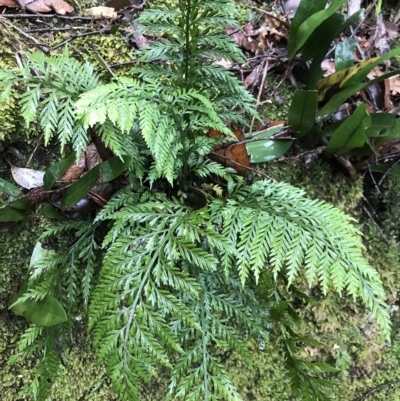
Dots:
(106, 66)
(28, 16)
(68, 28)
(34, 150)
(73, 37)
(387, 172)
(34, 40)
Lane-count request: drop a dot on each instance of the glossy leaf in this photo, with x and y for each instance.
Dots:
(15, 211)
(46, 312)
(344, 57)
(363, 72)
(315, 72)
(321, 39)
(305, 10)
(57, 170)
(112, 168)
(351, 134)
(348, 90)
(80, 188)
(265, 151)
(389, 133)
(305, 30)
(302, 112)
(380, 122)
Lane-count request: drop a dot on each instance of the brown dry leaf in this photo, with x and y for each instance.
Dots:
(27, 178)
(137, 38)
(88, 159)
(385, 33)
(235, 152)
(45, 6)
(276, 25)
(253, 79)
(394, 81)
(240, 36)
(9, 3)
(101, 12)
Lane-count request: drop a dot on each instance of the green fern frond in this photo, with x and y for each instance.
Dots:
(273, 226)
(52, 85)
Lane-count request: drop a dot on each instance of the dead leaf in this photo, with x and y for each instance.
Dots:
(101, 12)
(88, 159)
(27, 178)
(254, 78)
(137, 38)
(45, 6)
(235, 152)
(9, 3)
(328, 66)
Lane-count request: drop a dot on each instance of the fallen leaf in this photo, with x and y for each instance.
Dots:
(328, 66)
(9, 3)
(101, 12)
(88, 159)
(45, 6)
(232, 155)
(27, 178)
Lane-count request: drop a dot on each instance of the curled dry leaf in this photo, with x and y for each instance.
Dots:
(27, 178)
(233, 155)
(88, 159)
(46, 6)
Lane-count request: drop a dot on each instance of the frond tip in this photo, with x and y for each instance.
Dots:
(274, 226)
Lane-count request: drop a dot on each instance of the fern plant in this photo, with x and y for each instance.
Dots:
(182, 273)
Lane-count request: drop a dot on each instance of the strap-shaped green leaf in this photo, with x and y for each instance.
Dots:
(57, 170)
(80, 188)
(306, 29)
(351, 134)
(302, 112)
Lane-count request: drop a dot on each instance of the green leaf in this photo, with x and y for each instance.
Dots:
(321, 39)
(305, 10)
(387, 167)
(38, 254)
(372, 63)
(113, 167)
(12, 190)
(351, 134)
(80, 188)
(11, 214)
(57, 170)
(380, 122)
(51, 213)
(302, 111)
(46, 312)
(265, 151)
(344, 57)
(348, 90)
(306, 29)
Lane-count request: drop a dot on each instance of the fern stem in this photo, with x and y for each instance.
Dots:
(204, 344)
(187, 43)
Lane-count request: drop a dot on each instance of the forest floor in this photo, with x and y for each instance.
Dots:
(369, 368)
